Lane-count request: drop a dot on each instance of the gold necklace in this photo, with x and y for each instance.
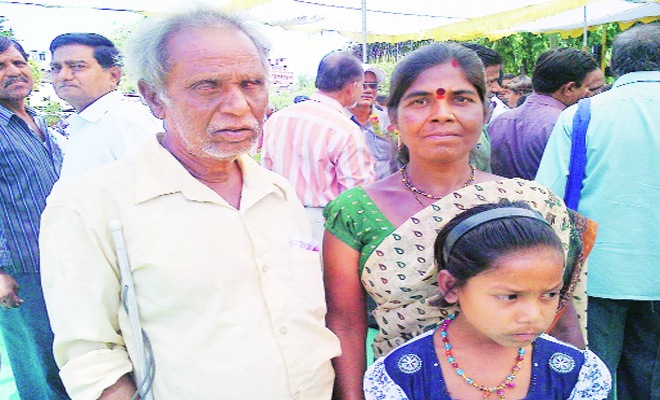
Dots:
(415, 191)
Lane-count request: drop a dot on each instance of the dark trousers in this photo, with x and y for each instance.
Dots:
(625, 334)
(29, 342)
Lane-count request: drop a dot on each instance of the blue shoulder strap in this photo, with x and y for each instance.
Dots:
(578, 154)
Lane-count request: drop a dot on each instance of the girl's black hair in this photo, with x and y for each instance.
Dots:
(476, 250)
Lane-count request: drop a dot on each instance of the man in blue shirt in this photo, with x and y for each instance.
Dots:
(620, 192)
(29, 166)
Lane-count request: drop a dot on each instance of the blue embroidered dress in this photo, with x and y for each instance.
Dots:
(559, 371)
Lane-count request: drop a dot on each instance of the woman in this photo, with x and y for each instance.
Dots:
(379, 239)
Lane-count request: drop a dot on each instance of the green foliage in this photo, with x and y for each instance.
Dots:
(37, 73)
(519, 51)
(128, 84)
(4, 31)
(52, 111)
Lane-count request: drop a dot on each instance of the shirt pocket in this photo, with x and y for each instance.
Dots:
(308, 279)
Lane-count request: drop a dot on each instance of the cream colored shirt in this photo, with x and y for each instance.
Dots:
(231, 300)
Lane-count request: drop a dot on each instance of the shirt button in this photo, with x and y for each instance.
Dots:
(296, 395)
(265, 268)
(284, 330)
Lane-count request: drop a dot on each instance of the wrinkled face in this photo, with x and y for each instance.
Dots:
(217, 93)
(440, 116)
(78, 78)
(516, 300)
(370, 90)
(492, 79)
(15, 76)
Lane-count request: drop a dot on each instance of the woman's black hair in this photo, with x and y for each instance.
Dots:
(476, 250)
(429, 56)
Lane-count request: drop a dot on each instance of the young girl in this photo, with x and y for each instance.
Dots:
(501, 266)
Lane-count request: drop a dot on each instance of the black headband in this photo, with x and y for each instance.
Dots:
(475, 220)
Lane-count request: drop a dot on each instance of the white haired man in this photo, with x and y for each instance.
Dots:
(228, 285)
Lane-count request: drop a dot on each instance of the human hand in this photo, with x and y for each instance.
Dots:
(9, 291)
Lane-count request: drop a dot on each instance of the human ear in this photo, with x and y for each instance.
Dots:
(567, 89)
(115, 74)
(447, 285)
(155, 103)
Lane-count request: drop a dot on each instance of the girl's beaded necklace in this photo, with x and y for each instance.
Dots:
(486, 391)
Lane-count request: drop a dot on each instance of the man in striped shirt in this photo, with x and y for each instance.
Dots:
(315, 145)
(30, 162)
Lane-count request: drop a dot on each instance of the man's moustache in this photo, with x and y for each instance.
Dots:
(10, 81)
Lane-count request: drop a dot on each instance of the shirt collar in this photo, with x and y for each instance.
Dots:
(5, 115)
(100, 107)
(154, 162)
(544, 99)
(330, 102)
(639, 76)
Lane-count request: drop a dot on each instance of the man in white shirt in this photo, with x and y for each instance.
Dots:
(85, 71)
(228, 281)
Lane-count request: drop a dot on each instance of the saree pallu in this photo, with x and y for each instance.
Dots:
(397, 265)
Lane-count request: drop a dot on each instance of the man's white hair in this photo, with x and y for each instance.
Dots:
(147, 58)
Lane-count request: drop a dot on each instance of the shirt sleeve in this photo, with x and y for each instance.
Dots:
(354, 164)
(553, 169)
(378, 385)
(81, 287)
(340, 222)
(594, 381)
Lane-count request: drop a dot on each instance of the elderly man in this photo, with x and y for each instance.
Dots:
(375, 124)
(85, 71)
(620, 191)
(518, 137)
(315, 145)
(29, 166)
(228, 283)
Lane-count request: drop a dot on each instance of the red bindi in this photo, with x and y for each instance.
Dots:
(454, 63)
(440, 93)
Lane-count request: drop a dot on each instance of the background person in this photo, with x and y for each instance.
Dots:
(518, 137)
(375, 124)
(228, 285)
(620, 191)
(481, 153)
(314, 143)
(85, 71)
(30, 162)
(379, 238)
(516, 88)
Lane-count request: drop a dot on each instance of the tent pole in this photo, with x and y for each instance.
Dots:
(603, 49)
(364, 31)
(584, 35)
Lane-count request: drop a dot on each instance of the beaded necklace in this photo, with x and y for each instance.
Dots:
(406, 181)
(486, 391)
